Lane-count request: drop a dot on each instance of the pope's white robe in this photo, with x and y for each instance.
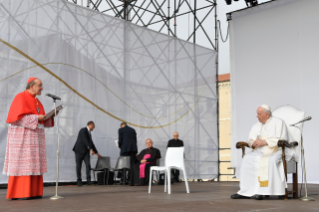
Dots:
(262, 171)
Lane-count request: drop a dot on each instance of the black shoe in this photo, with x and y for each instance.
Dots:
(36, 197)
(281, 197)
(26, 198)
(238, 196)
(79, 183)
(259, 197)
(89, 183)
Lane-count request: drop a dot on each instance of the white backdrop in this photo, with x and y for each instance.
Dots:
(274, 60)
(108, 70)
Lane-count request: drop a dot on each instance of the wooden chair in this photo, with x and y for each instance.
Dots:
(290, 115)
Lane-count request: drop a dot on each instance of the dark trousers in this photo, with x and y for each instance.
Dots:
(79, 158)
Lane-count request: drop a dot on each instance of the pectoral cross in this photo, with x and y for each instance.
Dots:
(38, 110)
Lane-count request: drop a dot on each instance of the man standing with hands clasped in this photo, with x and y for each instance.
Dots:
(83, 147)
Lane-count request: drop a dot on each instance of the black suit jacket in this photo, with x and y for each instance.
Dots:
(175, 143)
(127, 139)
(84, 142)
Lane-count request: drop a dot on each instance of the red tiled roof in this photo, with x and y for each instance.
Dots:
(223, 77)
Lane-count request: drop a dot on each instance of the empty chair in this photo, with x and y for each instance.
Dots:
(174, 159)
(102, 164)
(122, 164)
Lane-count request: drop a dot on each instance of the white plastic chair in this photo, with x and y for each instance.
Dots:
(174, 159)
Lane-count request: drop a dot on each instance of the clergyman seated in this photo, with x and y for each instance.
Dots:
(146, 159)
(262, 171)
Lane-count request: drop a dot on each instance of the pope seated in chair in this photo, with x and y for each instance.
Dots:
(147, 158)
(262, 171)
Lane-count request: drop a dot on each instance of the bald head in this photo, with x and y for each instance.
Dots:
(175, 135)
(149, 143)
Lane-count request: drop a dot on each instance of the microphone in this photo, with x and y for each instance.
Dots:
(302, 121)
(54, 97)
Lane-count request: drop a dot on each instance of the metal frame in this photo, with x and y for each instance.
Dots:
(148, 13)
(158, 15)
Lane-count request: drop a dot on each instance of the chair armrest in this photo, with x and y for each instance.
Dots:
(285, 143)
(241, 144)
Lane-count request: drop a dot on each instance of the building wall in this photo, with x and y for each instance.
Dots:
(224, 128)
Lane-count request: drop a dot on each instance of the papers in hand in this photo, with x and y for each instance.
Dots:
(116, 142)
(52, 112)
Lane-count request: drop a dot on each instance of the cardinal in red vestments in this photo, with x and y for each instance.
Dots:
(25, 160)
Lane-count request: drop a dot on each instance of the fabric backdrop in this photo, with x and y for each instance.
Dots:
(274, 60)
(108, 70)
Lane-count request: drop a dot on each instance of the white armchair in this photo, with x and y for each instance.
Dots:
(290, 115)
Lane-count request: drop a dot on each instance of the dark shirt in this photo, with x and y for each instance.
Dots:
(175, 143)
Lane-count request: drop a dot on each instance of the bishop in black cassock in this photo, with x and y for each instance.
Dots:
(146, 159)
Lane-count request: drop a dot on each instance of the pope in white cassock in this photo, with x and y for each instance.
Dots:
(262, 171)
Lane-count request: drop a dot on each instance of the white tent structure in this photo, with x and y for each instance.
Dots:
(108, 70)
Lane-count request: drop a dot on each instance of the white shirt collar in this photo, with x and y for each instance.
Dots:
(268, 120)
(88, 129)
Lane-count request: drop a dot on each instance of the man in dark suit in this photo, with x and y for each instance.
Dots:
(175, 142)
(128, 142)
(83, 147)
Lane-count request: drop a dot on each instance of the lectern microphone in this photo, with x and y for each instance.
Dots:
(53, 96)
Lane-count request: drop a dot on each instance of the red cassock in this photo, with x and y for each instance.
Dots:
(25, 160)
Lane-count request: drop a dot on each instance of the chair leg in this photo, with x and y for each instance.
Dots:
(94, 176)
(150, 181)
(165, 180)
(169, 181)
(108, 175)
(295, 185)
(186, 181)
(104, 176)
(124, 176)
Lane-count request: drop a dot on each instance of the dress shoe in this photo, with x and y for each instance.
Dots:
(259, 197)
(36, 197)
(238, 196)
(89, 183)
(26, 198)
(79, 183)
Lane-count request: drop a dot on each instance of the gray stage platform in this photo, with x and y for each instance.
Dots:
(204, 196)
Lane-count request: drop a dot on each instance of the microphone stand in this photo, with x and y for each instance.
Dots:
(306, 197)
(56, 196)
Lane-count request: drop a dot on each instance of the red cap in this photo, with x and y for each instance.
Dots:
(31, 79)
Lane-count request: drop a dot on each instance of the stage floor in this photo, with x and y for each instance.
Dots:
(204, 196)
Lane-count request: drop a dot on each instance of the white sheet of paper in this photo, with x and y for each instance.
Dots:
(116, 143)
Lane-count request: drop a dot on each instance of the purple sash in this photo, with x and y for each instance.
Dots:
(142, 166)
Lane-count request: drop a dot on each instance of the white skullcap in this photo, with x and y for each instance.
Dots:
(265, 107)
